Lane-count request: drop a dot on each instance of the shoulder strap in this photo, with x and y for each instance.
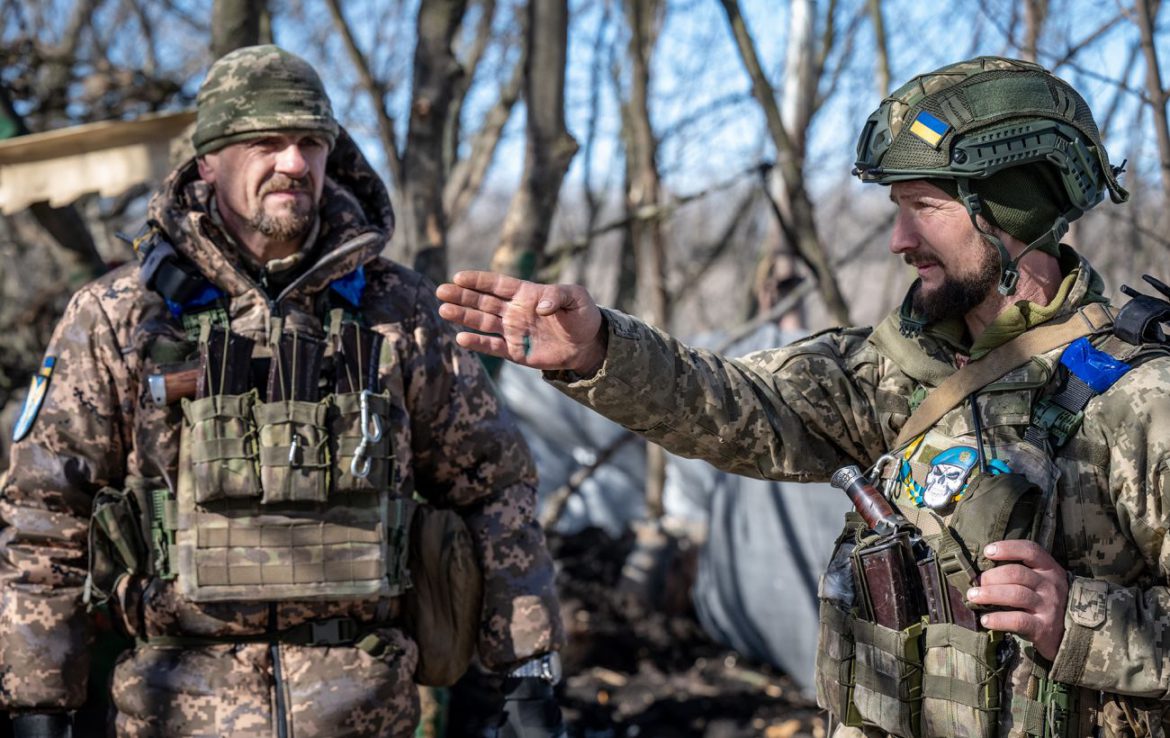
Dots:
(978, 374)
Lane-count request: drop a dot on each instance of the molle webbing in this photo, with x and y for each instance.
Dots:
(283, 488)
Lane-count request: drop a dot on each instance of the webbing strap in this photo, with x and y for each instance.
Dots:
(1028, 715)
(951, 689)
(953, 561)
(1000, 361)
(331, 632)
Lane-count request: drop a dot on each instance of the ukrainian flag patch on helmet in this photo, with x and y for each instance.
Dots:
(36, 397)
(928, 128)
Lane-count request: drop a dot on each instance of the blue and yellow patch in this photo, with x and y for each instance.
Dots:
(928, 128)
(37, 391)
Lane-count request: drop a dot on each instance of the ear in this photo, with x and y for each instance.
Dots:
(208, 167)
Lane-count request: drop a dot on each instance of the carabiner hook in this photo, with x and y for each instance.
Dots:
(360, 466)
(366, 418)
(292, 451)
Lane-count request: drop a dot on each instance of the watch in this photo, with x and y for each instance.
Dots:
(546, 668)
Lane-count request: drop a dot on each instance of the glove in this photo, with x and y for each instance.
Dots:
(530, 709)
(42, 725)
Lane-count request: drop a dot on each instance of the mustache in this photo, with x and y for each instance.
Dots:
(285, 183)
(917, 261)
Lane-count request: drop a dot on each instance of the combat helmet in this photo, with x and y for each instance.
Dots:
(970, 120)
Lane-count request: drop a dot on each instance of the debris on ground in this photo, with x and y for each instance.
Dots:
(647, 669)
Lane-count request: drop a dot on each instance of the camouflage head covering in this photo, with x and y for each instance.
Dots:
(972, 119)
(258, 90)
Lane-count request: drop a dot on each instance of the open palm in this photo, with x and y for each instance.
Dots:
(536, 325)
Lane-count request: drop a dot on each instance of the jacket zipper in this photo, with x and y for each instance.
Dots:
(280, 709)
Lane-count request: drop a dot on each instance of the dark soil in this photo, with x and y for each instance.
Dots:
(647, 669)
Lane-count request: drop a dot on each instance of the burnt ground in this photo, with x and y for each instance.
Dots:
(637, 663)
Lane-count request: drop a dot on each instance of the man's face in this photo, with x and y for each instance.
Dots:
(269, 187)
(934, 234)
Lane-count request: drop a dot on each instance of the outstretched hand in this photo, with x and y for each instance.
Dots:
(542, 326)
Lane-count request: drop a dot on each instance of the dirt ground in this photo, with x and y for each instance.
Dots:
(650, 671)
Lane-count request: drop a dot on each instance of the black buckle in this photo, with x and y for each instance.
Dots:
(1140, 319)
(332, 632)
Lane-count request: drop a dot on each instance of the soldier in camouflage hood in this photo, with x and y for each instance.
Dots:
(252, 534)
(1016, 420)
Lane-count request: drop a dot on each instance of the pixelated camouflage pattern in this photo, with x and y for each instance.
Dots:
(256, 90)
(332, 692)
(453, 443)
(800, 412)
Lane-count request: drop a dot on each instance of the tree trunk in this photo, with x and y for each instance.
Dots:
(798, 225)
(549, 148)
(1147, 14)
(881, 47)
(436, 72)
(645, 194)
(1035, 15)
(237, 23)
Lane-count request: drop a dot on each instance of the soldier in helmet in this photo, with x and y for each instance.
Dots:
(1015, 419)
(259, 447)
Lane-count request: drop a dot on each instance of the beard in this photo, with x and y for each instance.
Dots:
(956, 296)
(288, 224)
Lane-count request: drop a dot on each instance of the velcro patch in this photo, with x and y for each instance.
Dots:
(1087, 602)
(37, 390)
(929, 128)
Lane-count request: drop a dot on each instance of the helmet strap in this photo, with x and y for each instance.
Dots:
(1009, 273)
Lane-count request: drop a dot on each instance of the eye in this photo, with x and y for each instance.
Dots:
(268, 143)
(312, 142)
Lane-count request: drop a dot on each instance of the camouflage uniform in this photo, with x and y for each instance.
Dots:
(452, 441)
(841, 397)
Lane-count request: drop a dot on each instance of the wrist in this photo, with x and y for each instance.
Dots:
(594, 355)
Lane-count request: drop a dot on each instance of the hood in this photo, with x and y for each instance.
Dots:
(355, 217)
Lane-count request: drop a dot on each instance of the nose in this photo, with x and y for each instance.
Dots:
(291, 161)
(904, 237)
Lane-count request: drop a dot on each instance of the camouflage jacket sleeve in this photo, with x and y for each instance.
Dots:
(796, 413)
(471, 456)
(76, 446)
(1116, 635)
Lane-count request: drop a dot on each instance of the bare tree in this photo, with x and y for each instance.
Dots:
(643, 195)
(549, 148)
(1158, 96)
(238, 23)
(798, 222)
(436, 74)
(1035, 14)
(881, 46)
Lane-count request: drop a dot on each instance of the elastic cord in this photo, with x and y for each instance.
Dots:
(1009, 267)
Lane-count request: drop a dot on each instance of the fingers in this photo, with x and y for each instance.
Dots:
(1028, 553)
(455, 295)
(500, 285)
(476, 320)
(1011, 574)
(492, 345)
(562, 297)
(1010, 596)
(1013, 621)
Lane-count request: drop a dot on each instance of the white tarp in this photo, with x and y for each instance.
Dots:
(766, 542)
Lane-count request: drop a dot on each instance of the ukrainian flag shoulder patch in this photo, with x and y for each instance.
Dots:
(37, 390)
(929, 128)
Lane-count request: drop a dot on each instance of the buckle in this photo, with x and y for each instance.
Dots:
(332, 632)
